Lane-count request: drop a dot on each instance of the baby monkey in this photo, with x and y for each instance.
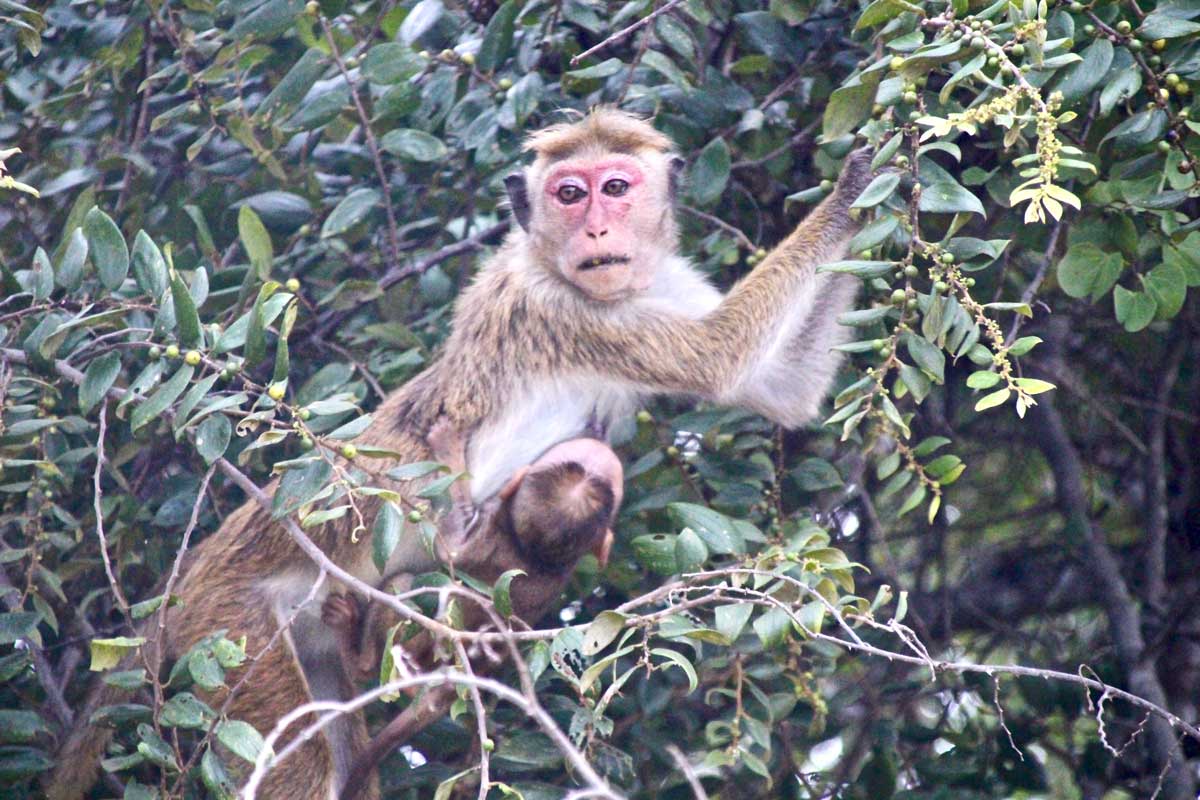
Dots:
(546, 517)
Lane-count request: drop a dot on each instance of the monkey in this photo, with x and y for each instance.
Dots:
(564, 504)
(583, 311)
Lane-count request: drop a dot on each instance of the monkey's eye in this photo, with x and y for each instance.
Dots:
(616, 187)
(569, 193)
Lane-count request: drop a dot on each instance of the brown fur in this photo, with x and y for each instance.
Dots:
(518, 324)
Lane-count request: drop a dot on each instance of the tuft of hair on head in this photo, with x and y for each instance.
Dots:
(560, 512)
(603, 129)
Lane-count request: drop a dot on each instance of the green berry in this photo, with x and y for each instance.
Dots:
(1135, 45)
(306, 442)
(468, 59)
(902, 161)
(415, 515)
(292, 285)
(1159, 45)
(885, 352)
(978, 43)
(896, 63)
(155, 353)
(761, 253)
(1089, 29)
(1076, 7)
(673, 451)
(826, 185)
(192, 358)
(1154, 61)
(349, 451)
(940, 287)
(911, 271)
(172, 351)
(312, 8)
(914, 115)
(947, 258)
(1018, 49)
(645, 417)
(505, 83)
(968, 282)
(1123, 27)
(275, 391)
(304, 414)
(909, 98)
(898, 296)
(1164, 147)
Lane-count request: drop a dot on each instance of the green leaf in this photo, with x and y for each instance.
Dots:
(43, 276)
(860, 269)
(497, 37)
(185, 710)
(1134, 310)
(185, 313)
(241, 739)
(1162, 24)
(710, 173)
(815, 474)
(878, 190)
(294, 85)
(256, 331)
(947, 197)
(1079, 79)
(256, 241)
(690, 551)
(107, 653)
(391, 62)
(70, 266)
(847, 107)
(149, 268)
(20, 727)
(655, 551)
(715, 529)
(385, 534)
(914, 499)
(1088, 270)
(501, 596)
(158, 402)
(879, 12)
(992, 400)
(965, 71)
(412, 144)
(216, 778)
(1167, 284)
(212, 437)
(98, 379)
(298, 486)
(676, 659)
(731, 619)
(927, 356)
(107, 246)
(601, 631)
(352, 210)
(604, 69)
(772, 627)
(983, 379)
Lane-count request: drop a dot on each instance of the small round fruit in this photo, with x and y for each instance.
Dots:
(878, 109)
(447, 55)
(292, 285)
(1124, 27)
(155, 353)
(488, 745)
(192, 357)
(914, 115)
(172, 351)
(898, 296)
(352, 61)
(1183, 89)
(349, 451)
(902, 162)
(896, 63)
(505, 83)
(1135, 45)
(885, 352)
(423, 54)
(1154, 61)
(878, 344)
(226, 374)
(993, 61)
(947, 258)
(468, 59)
(1089, 29)
(275, 391)
(304, 414)
(1172, 79)
(826, 185)
(306, 442)
(968, 282)
(1184, 167)
(1164, 147)
(415, 515)
(761, 253)
(940, 287)
(1184, 114)
(673, 451)
(312, 8)
(978, 43)
(1076, 7)
(1159, 45)
(1164, 94)
(1018, 49)
(645, 417)
(909, 98)
(911, 271)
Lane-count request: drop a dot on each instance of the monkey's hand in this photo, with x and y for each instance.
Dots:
(341, 613)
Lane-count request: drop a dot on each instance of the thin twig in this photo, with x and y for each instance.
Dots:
(621, 34)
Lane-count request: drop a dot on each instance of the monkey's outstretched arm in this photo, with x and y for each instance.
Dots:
(745, 351)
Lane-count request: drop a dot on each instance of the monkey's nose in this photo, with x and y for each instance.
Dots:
(597, 234)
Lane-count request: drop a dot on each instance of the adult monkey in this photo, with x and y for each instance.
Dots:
(584, 309)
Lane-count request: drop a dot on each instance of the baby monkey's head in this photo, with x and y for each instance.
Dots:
(566, 502)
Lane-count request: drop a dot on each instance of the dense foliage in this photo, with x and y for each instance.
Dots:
(227, 227)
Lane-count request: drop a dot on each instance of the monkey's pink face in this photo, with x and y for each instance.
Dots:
(601, 207)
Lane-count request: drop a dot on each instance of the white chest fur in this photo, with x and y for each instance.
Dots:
(540, 415)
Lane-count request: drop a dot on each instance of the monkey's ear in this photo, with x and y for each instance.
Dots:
(674, 177)
(514, 483)
(518, 197)
(603, 548)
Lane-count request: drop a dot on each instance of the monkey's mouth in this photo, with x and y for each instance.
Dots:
(601, 261)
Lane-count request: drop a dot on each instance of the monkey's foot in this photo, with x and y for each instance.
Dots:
(341, 612)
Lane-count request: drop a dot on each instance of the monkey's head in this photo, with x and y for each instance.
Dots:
(564, 504)
(598, 202)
